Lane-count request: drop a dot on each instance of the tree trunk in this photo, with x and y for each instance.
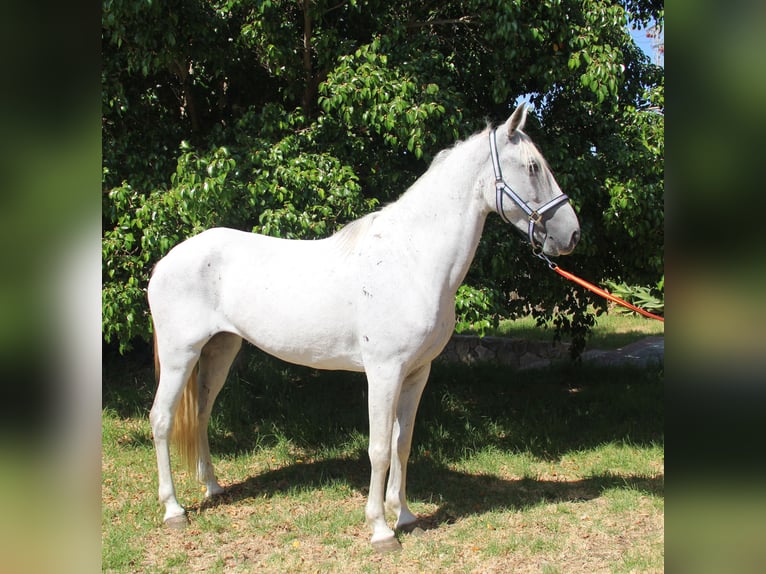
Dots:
(308, 69)
(188, 100)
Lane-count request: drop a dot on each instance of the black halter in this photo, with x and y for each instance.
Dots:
(502, 189)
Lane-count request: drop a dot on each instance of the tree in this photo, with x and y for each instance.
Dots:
(294, 117)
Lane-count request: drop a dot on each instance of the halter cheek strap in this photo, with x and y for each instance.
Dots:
(502, 189)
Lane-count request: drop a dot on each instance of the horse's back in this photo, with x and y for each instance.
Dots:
(191, 268)
(293, 299)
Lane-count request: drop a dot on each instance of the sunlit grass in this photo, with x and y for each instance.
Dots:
(612, 330)
(555, 470)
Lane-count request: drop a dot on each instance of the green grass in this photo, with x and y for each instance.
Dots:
(552, 470)
(612, 330)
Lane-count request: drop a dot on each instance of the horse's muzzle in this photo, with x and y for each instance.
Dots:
(554, 248)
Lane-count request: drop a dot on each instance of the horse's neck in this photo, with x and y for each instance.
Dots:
(445, 213)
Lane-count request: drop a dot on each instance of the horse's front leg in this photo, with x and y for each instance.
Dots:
(401, 443)
(384, 386)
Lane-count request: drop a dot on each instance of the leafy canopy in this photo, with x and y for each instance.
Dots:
(292, 118)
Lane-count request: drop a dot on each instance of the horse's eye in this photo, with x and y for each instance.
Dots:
(533, 167)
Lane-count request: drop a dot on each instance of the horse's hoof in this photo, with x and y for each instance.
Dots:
(387, 545)
(177, 522)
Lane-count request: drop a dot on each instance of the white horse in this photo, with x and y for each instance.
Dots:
(378, 296)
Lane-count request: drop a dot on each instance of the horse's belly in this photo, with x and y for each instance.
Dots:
(332, 346)
(318, 360)
(306, 322)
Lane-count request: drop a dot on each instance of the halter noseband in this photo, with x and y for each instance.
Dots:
(502, 189)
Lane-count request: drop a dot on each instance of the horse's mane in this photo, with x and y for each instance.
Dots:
(349, 235)
(530, 153)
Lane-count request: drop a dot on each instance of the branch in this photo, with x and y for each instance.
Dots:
(330, 9)
(467, 20)
(308, 69)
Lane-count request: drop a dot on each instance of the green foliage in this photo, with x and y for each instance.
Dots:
(292, 119)
(644, 297)
(476, 310)
(366, 95)
(286, 189)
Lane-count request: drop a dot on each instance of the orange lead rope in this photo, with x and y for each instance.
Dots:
(598, 290)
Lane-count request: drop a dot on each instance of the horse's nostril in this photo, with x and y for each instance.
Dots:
(575, 238)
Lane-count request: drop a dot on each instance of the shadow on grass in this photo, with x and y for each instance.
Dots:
(456, 494)
(546, 412)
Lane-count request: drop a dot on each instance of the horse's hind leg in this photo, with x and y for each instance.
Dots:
(173, 378)
(214, 364)
(401, 443)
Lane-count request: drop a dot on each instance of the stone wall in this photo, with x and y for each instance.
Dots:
(522, 354)
(514, 353)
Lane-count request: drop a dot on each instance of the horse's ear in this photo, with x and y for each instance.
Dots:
(517, 119)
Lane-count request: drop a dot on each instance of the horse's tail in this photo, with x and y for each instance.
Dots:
(156, 357)
(185, 433)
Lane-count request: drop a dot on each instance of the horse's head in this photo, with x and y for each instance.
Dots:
(526, 193)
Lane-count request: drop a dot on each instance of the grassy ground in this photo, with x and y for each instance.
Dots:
(555, 470)
(613, 330)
